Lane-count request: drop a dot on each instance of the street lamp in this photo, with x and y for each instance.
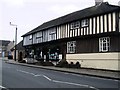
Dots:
(15, 39)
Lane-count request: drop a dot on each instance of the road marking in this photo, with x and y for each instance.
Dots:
(76, 84)
(56, 81)
(3, 87)
(37, 75)
(47, 78)
(26, 72)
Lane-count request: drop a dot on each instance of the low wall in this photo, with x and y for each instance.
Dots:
(96, 60)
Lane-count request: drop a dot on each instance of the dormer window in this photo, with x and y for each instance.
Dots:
(84, 23)
(75, 25)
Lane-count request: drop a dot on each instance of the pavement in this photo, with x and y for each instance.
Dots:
(82, 71)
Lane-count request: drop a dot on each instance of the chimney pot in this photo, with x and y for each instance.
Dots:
(119, 3)
(97, 2)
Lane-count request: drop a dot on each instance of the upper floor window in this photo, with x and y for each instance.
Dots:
(30, 38)
(84, 23)
(75, 25)
(104, 44)
(52, 35)
(39, 37)
(71, 47)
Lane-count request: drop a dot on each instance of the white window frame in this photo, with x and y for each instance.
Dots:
(104, 44)
(71, 47)
(84, 23)
(30, 37)
(52, 36)
(39, 37)
(75, 25)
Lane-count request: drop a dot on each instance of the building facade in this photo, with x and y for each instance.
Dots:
(3, 48)
(20, 51)
(90, 36)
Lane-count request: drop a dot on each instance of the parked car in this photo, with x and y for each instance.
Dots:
(10, 57)
(30, 60)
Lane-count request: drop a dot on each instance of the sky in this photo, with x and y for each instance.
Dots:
(28, 14)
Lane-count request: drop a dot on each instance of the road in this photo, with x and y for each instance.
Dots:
(16, 76)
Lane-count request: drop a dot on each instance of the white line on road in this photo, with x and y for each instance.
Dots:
(47, 78)
(37, 75)
(56, 81)
(26, 72)
(3, 87)
(76, 84)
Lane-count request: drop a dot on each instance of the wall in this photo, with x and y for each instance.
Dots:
(13, 54)
(27, 40)
(96, 60)
(96, 25)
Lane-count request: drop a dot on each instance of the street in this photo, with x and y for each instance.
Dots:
(16, 76)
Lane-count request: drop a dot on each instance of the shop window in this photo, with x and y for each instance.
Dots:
(104, 44)
(71, 47)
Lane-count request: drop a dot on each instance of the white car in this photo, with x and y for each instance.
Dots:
(30, 60)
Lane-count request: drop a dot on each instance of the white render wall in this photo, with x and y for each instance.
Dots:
(96, 60)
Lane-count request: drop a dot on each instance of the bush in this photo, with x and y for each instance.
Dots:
(77, 65)
(72, 65)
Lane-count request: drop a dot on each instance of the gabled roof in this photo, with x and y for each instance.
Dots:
(19, 46)
(85, 13)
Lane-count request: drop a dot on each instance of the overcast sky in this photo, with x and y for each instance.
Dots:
(28, 14)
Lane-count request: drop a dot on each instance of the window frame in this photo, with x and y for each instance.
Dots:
(84, 23)
(39, 37)
(75, 25)
(30, 37)
(71, 48)
(104, 44)
(52, 36)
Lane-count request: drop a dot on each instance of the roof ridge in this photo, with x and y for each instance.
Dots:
(104, 7)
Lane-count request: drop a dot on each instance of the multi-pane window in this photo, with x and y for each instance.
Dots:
(104, 44)
(52, 35)
(75, 25)
(30, 38)
(71, 47)
(84, 23)
(39, 37)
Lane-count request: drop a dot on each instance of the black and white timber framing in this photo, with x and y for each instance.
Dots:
(85, 27)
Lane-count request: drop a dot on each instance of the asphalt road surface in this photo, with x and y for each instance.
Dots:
(23, 77)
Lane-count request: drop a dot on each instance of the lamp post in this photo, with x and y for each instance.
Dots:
(15, 39)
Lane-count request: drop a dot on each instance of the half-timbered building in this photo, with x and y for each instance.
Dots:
(90, 36)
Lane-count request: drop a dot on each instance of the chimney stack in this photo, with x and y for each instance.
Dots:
(119, 3)
(98, 2)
